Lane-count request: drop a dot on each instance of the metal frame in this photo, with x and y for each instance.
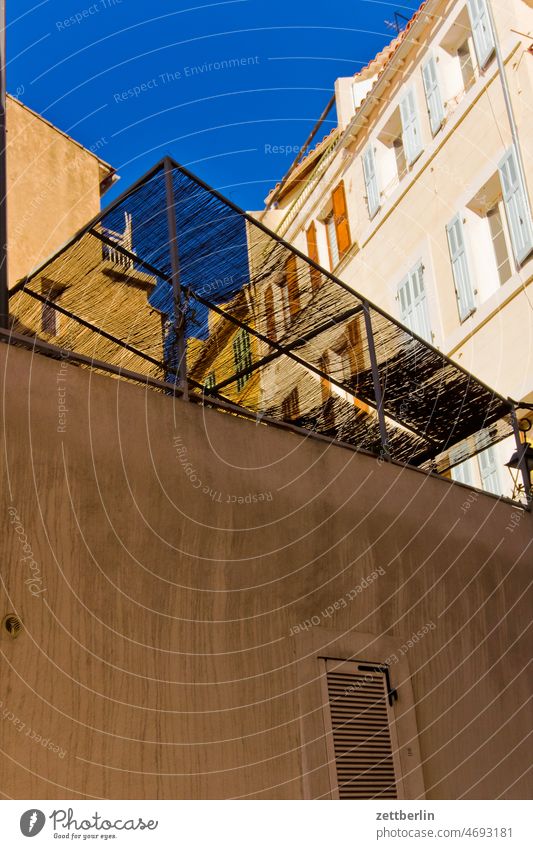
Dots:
(166, 168)
(179, 316)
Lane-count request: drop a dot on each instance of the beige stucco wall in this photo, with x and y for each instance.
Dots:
(53, 188)
(159, 655)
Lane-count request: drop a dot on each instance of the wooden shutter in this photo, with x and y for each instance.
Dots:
(412, 141)
(270, 318)
(481, 30)
(433, 97)
(293, 290)
(340, 214)
(312, 252)
(371, 181)
(242, 355)
(463, 288)
(516, 207)
(361, 732)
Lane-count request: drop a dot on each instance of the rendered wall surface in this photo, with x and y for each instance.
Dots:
(53, 189)
(163, 653)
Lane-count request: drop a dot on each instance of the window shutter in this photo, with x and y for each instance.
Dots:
(456, 242)
(488, 470)
(371, 181)
(312, 252)
(270, 318)
(242, 355)
(293, 290)
(361, 732)
(433, 97)
(481, 30)
(413, 303)
(462, 473)
(340, 214)
(412, 140)
(516, 207)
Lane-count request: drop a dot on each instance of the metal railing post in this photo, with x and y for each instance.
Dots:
(179, 315)
(376, 380)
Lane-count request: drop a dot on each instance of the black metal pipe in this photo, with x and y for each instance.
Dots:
(376, 380)
(179, 315)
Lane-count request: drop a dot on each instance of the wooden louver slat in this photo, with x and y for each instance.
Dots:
(361, 736)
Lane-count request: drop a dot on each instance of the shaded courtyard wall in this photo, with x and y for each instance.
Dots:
(177, 552)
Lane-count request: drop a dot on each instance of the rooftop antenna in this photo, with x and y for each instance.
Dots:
(4, 302)
(395, 24)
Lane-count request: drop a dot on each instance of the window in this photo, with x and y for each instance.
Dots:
(49, 319)
(462, 473)
(291, 290)
(411, 137)
(210, 381)
(312, 252)
(349, 349)
(49, 315)
(461, 276)
(516, 206)
(340, 215)
(270, 318)
(399, 154)
(413, 303)
(499, 243)
(371, 181)
(466, 65)
(332, 241)
(433, 97)
(291, 406)
(481, 30)
(360, 730)
(488, 471)
(242, 355)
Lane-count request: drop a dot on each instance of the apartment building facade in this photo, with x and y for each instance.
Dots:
(420, 197)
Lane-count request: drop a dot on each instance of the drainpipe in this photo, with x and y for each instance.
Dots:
(508, 104)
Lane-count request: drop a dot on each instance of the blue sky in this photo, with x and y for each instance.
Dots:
(133, 78)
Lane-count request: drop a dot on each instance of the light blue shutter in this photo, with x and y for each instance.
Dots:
(412, 140)
(463, 473)
(481, 30)
(433, 97)
(514, 196)
(488, 470)
(413, 303)
(465, 296)
(371, 181)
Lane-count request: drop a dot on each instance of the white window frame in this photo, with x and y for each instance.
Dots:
(517, 209)
(434, 101)
(482, 34)
(411, 132)
(462, 472)
(415, 313)
(370, 175)
(488, 471)
(466, 302)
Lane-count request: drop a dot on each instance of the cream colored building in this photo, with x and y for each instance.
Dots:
(420, 197)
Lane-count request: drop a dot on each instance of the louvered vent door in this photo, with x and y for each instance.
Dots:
(361, 733)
